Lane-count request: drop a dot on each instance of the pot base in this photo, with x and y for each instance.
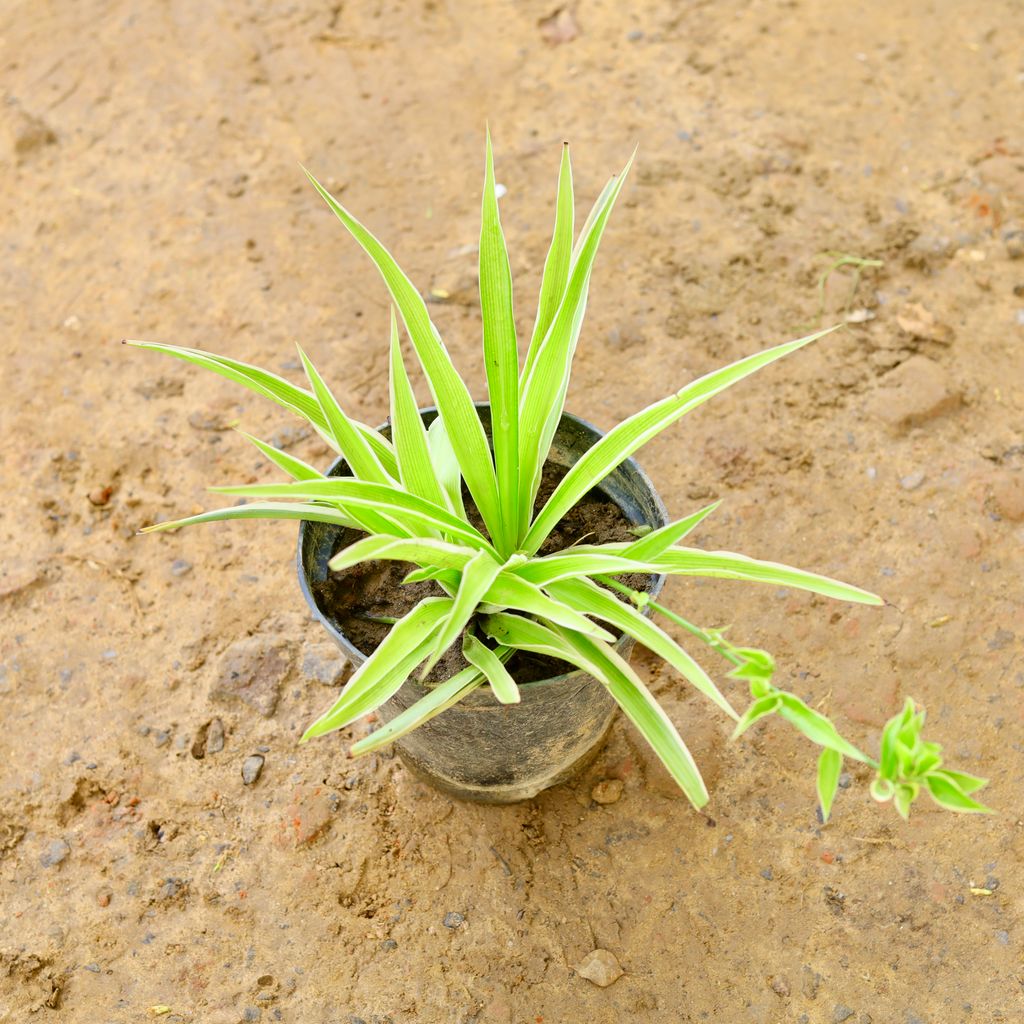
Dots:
(505, 794)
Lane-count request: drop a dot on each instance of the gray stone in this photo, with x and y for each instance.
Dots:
(607, 791)
(215, 737)
(325, 664)
(54, 854)
(912, 481)
(252, 768)
(252, 671)
(453, 919)
(841, 1013)
(599, 967)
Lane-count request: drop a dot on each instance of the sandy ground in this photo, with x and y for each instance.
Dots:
(151, 188)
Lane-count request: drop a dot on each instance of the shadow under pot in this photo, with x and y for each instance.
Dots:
(480, 749)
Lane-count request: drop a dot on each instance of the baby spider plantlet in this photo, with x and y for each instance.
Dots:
(501, 647)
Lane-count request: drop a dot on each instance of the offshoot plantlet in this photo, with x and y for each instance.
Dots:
(500, 595)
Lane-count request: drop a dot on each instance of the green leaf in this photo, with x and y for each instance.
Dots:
(731, 566)
(965, 783)
(439, 699)
(382, 674)
(620, 442)
(524, 634)
(651, 545)
(261, 510)
(830, 766)
(946, 792)
(644, 712)
(572, 563)
(815, 726)
(480, 572)
(481, 657)
(423, 551)
(446, 466)
(277, 389)
(451, 396)
(295, 468)
(350, 442)
(544, 389)
(594, 600)
(408, 435)
(903, 797)
(501, 359)
(556, 266)
(760, 708)
(511, 591)
(412, 512)
(757, 668)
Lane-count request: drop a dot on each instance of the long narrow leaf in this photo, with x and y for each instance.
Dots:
(620, 442)
(261, 510)
(351, 443)
(295, 468)
(423, 551)
(543, 395)
(400, 505)
(645, 713)
(382, 674)
(480, 572)
(593, 599)
(557, 263)
(501, 359)
(453, 400)
(655, 542)
(480, 656)
(446, 466)
(511, 591)
(439, 699)
(277, 389)
(408, 435)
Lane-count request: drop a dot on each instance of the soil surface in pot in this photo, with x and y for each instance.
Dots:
(356, 597)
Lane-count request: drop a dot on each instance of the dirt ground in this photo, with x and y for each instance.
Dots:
(152, 189)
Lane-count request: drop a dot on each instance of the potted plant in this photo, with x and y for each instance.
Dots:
(488, 566)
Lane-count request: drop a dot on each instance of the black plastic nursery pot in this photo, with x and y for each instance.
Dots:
(480, 749)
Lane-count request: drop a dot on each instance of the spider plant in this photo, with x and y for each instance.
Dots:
(500, 596)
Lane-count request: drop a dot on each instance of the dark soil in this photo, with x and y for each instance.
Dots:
(355, 598)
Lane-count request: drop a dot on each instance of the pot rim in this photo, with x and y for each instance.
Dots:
(358, 657)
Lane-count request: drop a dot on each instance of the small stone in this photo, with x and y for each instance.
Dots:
(809, 982)
(161, 738)
(179, 567)
(1003, 938)
(915, 392)
(600, 967)
(991, 882)
(388, 945)
(93, 968)
(841, 1013)
(767, 874)
(54, 854)
(253, 670)
(845, 780)
(215, 737)
(1014, 241)
(99, 496)
(252, 767)
(918, 322)
(607, 791)
(453, 919)
(912, 481)
(251, 1013)
(324, 663)
(780, 986)
(913, 1018)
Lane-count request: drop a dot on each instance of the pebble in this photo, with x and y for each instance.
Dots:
(104, 896)
(179, 567)
(599, 967)
(161, 738)
(912, 481)
(94, 968)
(215, 737)
(323, 663)
(841, 1013)
(252, 768)
(1003, 938)
(99, 496)
(453, 919)
(388, 945)
(252, 670)
(251, 1013)
(1014, 241)
(607, 791)
(845, 780)
(1008, 496)
(780, 986)
(54, 854)
(767, 874)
